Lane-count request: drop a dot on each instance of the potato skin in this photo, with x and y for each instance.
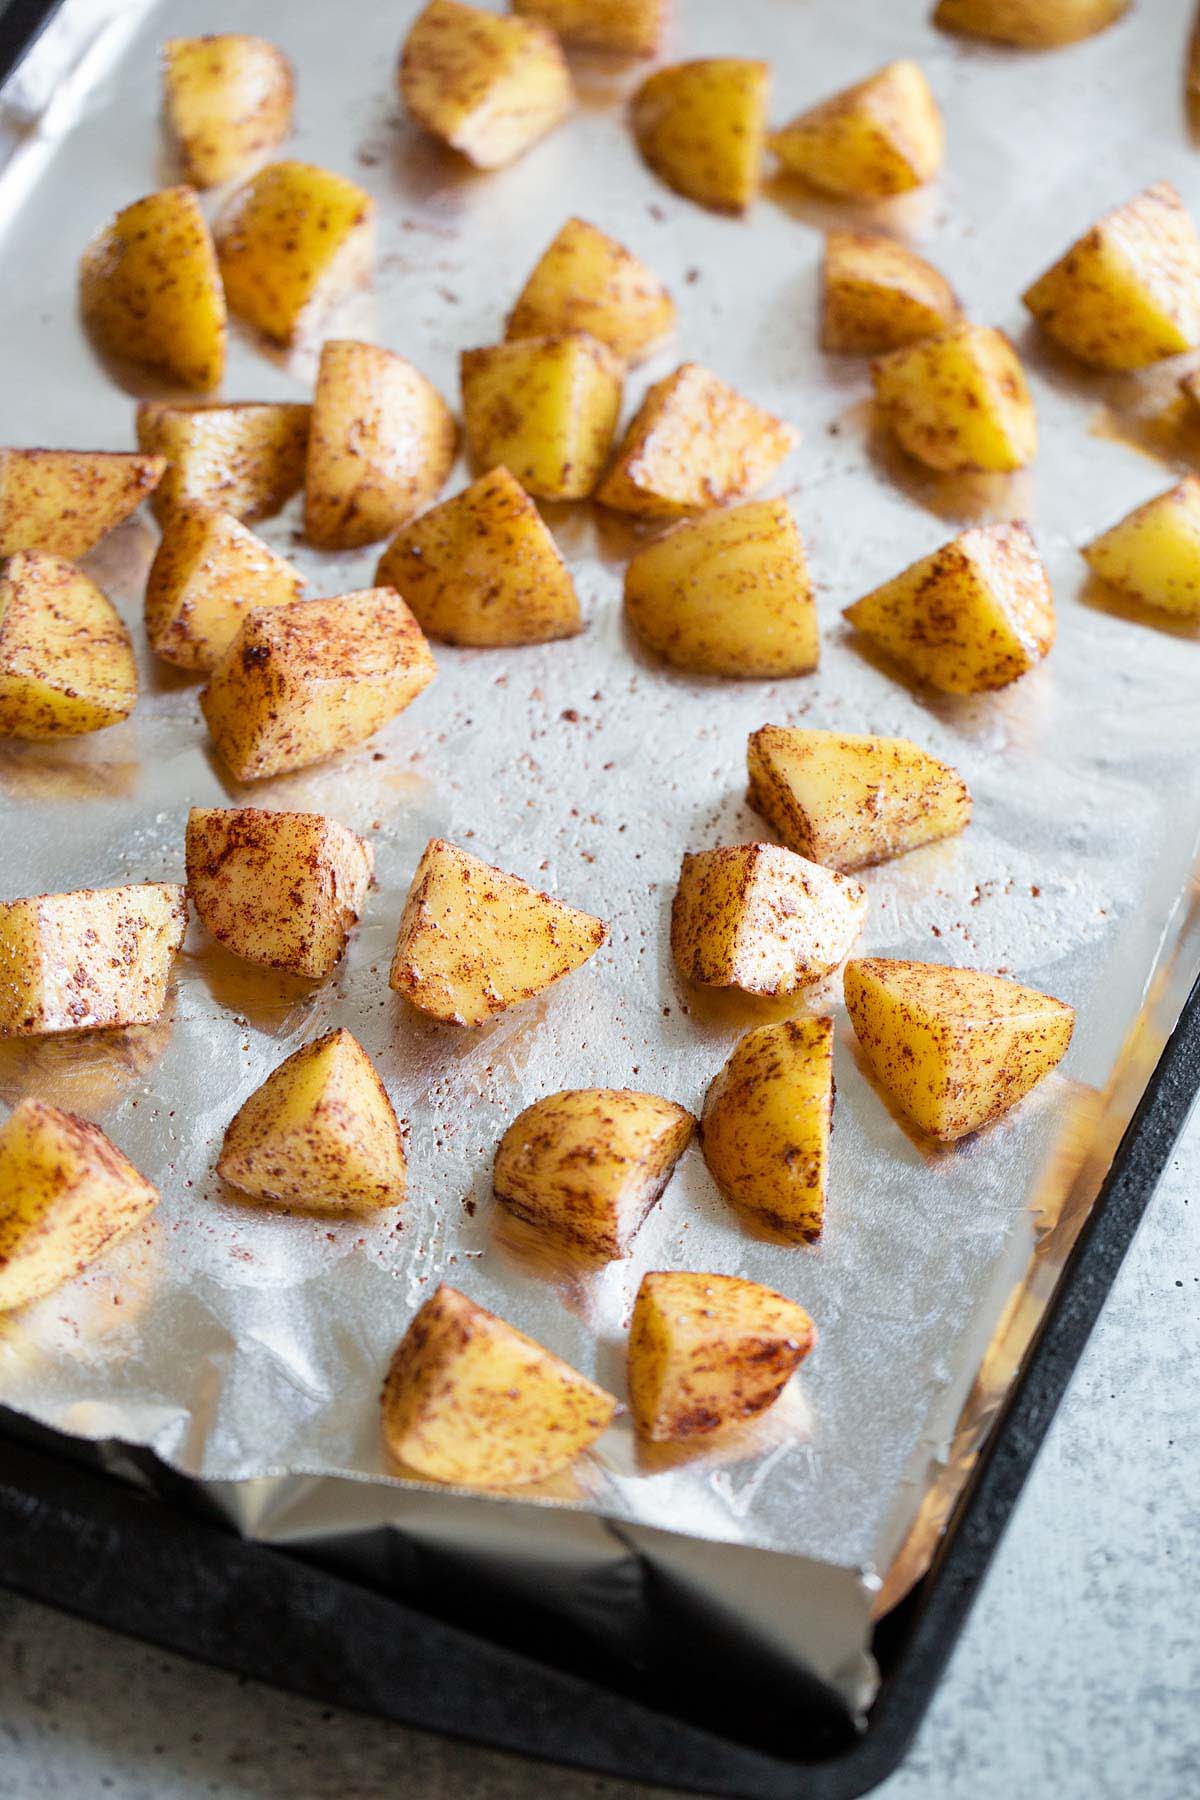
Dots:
(246, 458)
(64, 501)
(546, 408)
(88, 960)
(1153, 553)
(66, 661)
(586, 281)
(877, 294)
(959, 402)
(488, 86)
(208, 572)
(1029, 24)
(880, 137)
(226, 98)
(626, 27)
(766, 1125)
(701, 126)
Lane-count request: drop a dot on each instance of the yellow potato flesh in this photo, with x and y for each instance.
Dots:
(207, 574)
(247, 458)
(878, 294)
(959, 401)
(1154, 553)
(66, 662)
(766, 1124)
(88, 960)
(65, 501)
(701, 127)
(544, 407)
(227, 98)
(883, 136)
(1029, 24)
(626, 27)
(486, 85)
(586, 281)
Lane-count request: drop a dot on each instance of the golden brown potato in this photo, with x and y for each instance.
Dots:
(586, 281)
(319, 1134)
(66, 1194)
(878, 294)
(958, 402)
(766, 1124)
(973, 616)
(954, 1048)
(484, 569)
(150, 289)
(474, 941)
(65, 501)
(247, 458)
(280, 888)
(626, 27)
(66, 662)
(300, 683)
(881, 137)
(488, 86)
(762, 919)
(470, 1399)
(208, 572)
(546, 408)
(1153, 553)
(88, 960)
(1029, 24)
(701, 127)
(587, 1166)
(710, 1351)
(226, 99)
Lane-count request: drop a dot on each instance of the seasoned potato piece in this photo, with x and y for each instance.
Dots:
(299, 683)
(710, 1351)
(474, 941)
(847, 801)
(66, 1194)
(878, 294)
(693, 443)
(727, 594)
(586, 281)
(247, 458)
(882, 136)
(1153, 553)
(280, 888)
(320, 1133)
(546, 408)
(292, 242)
(973, 616)
(488, 86)
(226, 99)
(484, 569)
(65, 501)
(150, 289)
(88, 960)
(208, 572)
(766, 1123)
(626, 27)
(1128, 292)
(958, 401)
(66, 662)
(701, 127)
(954, 1048)
(588, 1165)
(380, 447)
(762, 919)
(1029, 24)
(470, 1399)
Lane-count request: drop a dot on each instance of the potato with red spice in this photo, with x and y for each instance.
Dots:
(292, 242)
(246, 457)
(701, 126)
(1029, 24)
(624, 27)
(880, 137)
(877, 294)
(545, 407)
(65, 501)
(89, 960)
(959, 402)
(1153, 553)
(150, 290)
(226, 98)
(488, 86)
(208, 572)
(66, 662)
(586, 281)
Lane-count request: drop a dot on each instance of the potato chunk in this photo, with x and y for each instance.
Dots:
(488, 86)
(150, 289)
(973, 616)
(65, 501)
(88, 960)
(208, 572)
(710, 1351)
(66, 1194)
(1153, 553)
(1029, 24)
(484, 569)
(470, 1399)
(586, 281)
(846, 800)
(247, 458)
(293, 242)
(959, 401)
(880, 137)
(380, 447)
(546, 408)
(66, 662)
(319, 1134)
(280, 888)
(588, 1165)
(766, 1124)
(727, 594)
(626, 27)
(474, 941)
(954, 1048)
(762, 919)
(1128, 292)
(878, 294)
(701, 127)
(300, 683)
(693, 443)
(226, 99)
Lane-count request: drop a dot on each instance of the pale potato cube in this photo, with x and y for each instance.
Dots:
(1029, 24)
(958, 402)
(766, 1124)
(626, 27)
(66, 662)
(65, 501)
(486, 85)
(586, 281)
(247, 458)
(880, 137)
(701, 126)
(878, 294)
(1154, 552)
(546, 408)
(208, 573)
(226, 99)
(89, 960)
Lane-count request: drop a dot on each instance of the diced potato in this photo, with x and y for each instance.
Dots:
(766, 1124)
(226, 99)
(208, 572)
(65, 501)
(626, 27)
(1153, 553)
(846, 800)
(954, 1048)
(484, 569)
(973, 616)
(1128, 292)
(300, 683)
(280, 888)
(762, 919)
(1029, 24)
(380, 447)
(150, 289)
(701, 127)
(320, 1134)
(586, 281)
(588, 1165)
(878, 294)
(474, 941)
(470, 1399)
(880, 137)
(247, 458)
(710, 1351)
(293, 242)
(66, 1194)
(958, 401)
(486, 85)
(727, 594)
(693, 443)
(88, 960)
(66, 662)
(546, 408)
